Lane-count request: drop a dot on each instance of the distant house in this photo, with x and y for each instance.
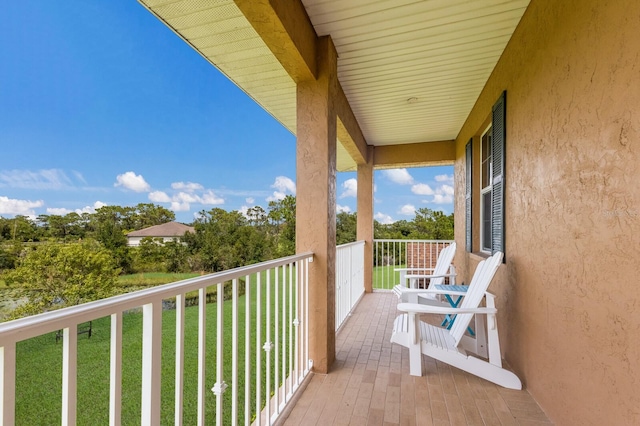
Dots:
(167, 231)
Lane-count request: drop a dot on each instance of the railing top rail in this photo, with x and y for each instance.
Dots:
(410, 241)
(355, 243)
(25, 328)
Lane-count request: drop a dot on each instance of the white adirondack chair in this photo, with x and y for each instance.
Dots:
(440, 272)
(448, 346)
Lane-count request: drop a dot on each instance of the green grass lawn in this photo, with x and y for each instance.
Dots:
(39, 368)
(153, 278)
(384, 277)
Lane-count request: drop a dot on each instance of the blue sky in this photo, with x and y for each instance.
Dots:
(101, 104)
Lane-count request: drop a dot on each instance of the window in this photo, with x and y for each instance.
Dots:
(491, 188)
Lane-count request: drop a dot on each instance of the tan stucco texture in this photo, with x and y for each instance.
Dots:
(569, 293)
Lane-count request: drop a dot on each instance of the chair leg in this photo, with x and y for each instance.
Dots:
(415, 360)
(414, 345)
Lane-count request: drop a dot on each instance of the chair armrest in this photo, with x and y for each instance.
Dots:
(413, 269)
(433, 291)
(420, 276)
(430, 309)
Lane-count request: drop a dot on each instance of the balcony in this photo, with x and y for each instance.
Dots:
(248, 353)
(369, 384)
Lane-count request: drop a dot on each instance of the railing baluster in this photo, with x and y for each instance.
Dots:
(115, 371)
(307, 365)
(296, 326)
(268, 345)
(283, 358)
(276, 341)
(292, 328)
(202, 344)
(179, 376)
(247, 350)
(259, 348)
(7, 383)
(151, 362)
(69, 374)
(387, 267)
(234, 351)
(220, 385)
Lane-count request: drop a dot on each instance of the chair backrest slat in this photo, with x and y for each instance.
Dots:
(477, 288)
(443, 264)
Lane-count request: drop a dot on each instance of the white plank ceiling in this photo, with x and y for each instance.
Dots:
(411, 69)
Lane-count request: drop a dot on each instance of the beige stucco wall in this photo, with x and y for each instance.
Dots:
(569, 294)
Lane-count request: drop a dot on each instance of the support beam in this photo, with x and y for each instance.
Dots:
(349, 131)
(285, 28)
(442, 153)
(365, 217)
(316, 199)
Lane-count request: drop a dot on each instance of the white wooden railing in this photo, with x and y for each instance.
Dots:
(349, 279)
(389, 255)
(269, 356)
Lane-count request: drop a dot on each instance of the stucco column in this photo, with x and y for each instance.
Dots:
(316, 199)
(365, 216)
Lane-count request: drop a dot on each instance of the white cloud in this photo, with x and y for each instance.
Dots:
(282, 185)
(399, 176)
(444, 178)
(210, 198)
(442, 199)
(182, 200)
(384, 219)
(58, 211)
(132, 181)
(159, 197)
(422, 189)
(18, 207)
(180, 207)
(250, 200)
(79, 176)
(90, 209)
(55, 179)
(443, 195)
(244, 210)
(446, 189)
(186, 186)
(342, 209)
(277, 196)
(61, 211)
(185, 197)
(350, 187)
(407, 210)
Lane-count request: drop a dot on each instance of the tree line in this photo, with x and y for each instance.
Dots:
(222, 239)
(58, 261)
